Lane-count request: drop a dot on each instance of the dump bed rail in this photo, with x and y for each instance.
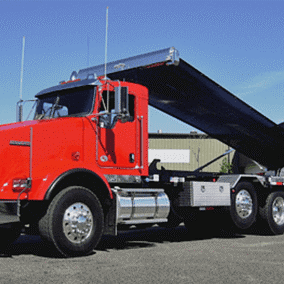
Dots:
(180, 90)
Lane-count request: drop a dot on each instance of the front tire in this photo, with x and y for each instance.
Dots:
(73, 222)
(243, 208)
(273, 212)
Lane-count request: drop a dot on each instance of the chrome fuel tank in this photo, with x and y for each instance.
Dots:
(141, 205)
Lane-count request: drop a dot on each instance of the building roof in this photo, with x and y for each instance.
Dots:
(191, 135)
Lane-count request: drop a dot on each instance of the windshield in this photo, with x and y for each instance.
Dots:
(70, 102)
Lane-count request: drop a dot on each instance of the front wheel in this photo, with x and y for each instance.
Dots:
(273, 212)
(73, 221)
(243, 208)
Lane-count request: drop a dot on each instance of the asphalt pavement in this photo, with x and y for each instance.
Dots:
(155, 255)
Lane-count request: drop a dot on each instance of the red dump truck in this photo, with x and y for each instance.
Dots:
(80, 169)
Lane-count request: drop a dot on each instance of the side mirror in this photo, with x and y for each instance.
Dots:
(121, 101)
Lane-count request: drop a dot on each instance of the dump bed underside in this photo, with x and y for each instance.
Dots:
(178, 89)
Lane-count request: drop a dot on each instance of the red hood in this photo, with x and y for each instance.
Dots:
(54, 142)
(17, 125)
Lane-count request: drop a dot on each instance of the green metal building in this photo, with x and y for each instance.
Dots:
(187, 152)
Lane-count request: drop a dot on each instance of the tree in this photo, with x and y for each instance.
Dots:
(226, 167)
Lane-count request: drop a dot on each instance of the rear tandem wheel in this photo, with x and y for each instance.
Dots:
(273, 212)
(243, 208)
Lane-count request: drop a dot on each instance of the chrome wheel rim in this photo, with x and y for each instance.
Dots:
(243, 204)
(278, 210)
(77, 223)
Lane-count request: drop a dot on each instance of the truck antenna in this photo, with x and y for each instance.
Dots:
(20, 109)
(106, 44)
(88, 54)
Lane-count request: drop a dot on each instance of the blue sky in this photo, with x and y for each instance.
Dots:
(238, 44)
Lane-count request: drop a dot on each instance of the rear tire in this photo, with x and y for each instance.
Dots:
(73, 222)
(243, 208)
(273, 212)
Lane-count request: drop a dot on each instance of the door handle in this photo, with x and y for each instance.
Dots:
(131, 158)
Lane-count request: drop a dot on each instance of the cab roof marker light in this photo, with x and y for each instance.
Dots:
(70, 81)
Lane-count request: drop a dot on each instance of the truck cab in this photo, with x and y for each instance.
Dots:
(115, 121)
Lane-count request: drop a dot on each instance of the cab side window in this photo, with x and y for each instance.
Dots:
(108, 117)
(131, 107)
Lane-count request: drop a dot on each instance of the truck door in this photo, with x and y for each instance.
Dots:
(117, 135)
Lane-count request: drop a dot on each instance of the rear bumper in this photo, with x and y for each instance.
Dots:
(9, 212)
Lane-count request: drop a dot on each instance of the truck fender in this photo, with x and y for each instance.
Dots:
(64, 177)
